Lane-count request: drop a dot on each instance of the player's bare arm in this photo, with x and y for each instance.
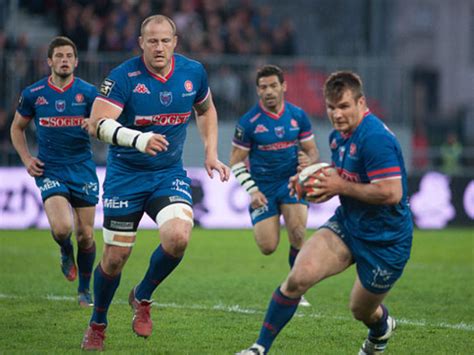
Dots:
(207, 123)
(309, 154)
(237, 163)
(383, 192)
(33, 165)
(103, 125)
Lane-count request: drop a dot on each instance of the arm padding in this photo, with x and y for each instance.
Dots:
(244, 178)
(112, 132)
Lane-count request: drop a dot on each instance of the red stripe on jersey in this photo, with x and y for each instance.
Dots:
(106, 99)
(275, 116)
(305, 134)
(395, 169)
(57, 88)
(162, 78)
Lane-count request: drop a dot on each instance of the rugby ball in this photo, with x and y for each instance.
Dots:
(310, 174)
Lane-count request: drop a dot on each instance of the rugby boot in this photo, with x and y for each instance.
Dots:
(85, 299)
(94, 337)
(377, 345)
(68, 265)
(142, 324)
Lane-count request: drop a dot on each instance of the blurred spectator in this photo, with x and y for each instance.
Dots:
(5, 143)
(226, 89)
(204, 26)
(420, 147)
(305, 89)
(451, 153)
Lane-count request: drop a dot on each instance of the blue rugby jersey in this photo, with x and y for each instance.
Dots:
(272, 140)
(370, 154)
(153, 103)
(58, 114)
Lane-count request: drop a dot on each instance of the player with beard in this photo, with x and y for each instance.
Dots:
(64, 171)
(277, 138)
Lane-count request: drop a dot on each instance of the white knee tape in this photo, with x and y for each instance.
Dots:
(175, 210)
(120, 239)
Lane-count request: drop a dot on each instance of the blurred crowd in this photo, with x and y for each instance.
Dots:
(204, 26)
(207, 30)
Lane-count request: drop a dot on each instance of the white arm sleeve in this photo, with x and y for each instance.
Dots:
(110, 131)
(244, 178)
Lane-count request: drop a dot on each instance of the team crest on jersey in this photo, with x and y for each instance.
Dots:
(280, 131)
(352, 149)
(141, 89)
(60, 105)
(166, 98)
(294, 123)
(188, 85)
(41, 101)
(333, 144)
(260, 129)
(79, 98)
(106, 87)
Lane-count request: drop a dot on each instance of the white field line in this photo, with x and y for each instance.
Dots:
(239, 309)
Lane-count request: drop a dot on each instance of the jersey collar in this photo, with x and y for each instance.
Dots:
(275, 116)
(159, 77)
(57, 88)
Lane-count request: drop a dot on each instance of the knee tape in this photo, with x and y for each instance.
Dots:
(120, 239)
(175, 210)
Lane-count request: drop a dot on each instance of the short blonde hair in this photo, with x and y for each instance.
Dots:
(157, 19)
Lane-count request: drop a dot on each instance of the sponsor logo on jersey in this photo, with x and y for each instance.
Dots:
(134, 73)
(294, 125)
(258, 211)
(114, 203)
(260, 129)
(79, 98)
(90, 188)
(68, 121)
(106, 87)
(175, 199)
(278, 145)
(166, 98)
(164, 119)
(60, 105)
(49, 184)
(280, 131)
(41, 101)
(188, 85)
(381, 277)
(347, 175)
(121, 225)
(181, 186)
(141, 89)
(37, 88)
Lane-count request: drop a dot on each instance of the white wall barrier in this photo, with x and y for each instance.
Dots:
(224, 205)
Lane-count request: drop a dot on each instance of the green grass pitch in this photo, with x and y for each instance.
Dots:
(215, 300)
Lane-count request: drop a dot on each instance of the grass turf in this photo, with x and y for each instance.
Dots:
(215, 300)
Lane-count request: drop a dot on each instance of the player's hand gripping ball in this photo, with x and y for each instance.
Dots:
(310, 175)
